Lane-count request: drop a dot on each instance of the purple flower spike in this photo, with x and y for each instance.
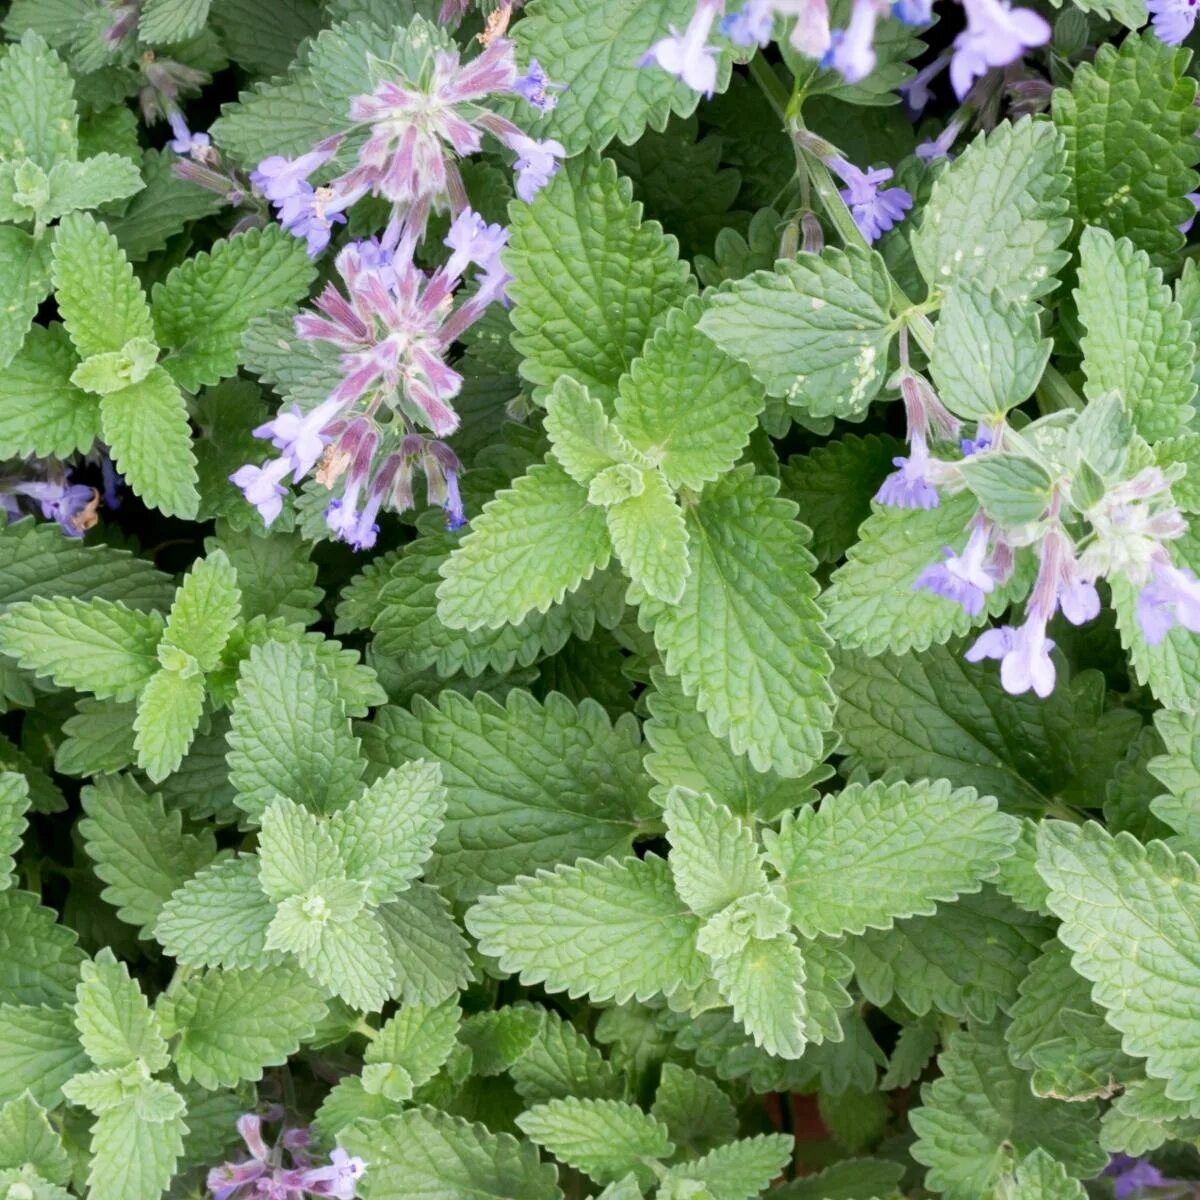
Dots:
(874, 211)
(1024, 655)
(995, 36)
(1172, 20)
(687, 55)
(536, 87)
(1172, 597)
(964, 578)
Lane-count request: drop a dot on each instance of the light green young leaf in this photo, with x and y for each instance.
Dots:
(427, 1153)
(528, 783)
(146, 427)
(746, 638)
(814, 331)
(611, 95)
(871, 602)
(1011, 489)
(613, 930)
(232, 1024)
(1040, 1177)
(989, 353)
(27, 1139)
(25, 279)
(1114, 896)
(410, 1049)
(89, 184)
(205, 304)
(99, 300)
(116, 369)
(289, 734)
(37, 104)
(168, 711)
(114, 1021)
(296, 850)
(740, 1170)
(532, 544)
(39, 1052)
(605, 1139)
(134, 1158)
(92, 645)
(714, 855)
(764, 981)
(966, 234)
(651, 540)
(205, 611)
(591, 281)
(39, 958)
(219, 918)
(42, 412)
(980, 1118)
(386, 835)
(685, 405)
(138, 849)
(1129, 127)
(14, 803)
(873, 854)
(1138, 343)
(584, 441)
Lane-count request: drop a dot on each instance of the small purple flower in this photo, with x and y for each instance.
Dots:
(687, 55)
(874, 211)
(72, 505)
(1131, 1175)
(852, 50)
(453, 505)
(917, 92)
(1172, 597)
(940, 146)
(1024, 654)
(913, 12)
(996, 35)
(910, 486)
(536, 87)
(982, 440)
(1186, 226)
(263, 487)
(339, 1179)
(752, 25)
(111, 480)
(537, 163)
(299, 436)
(1172, 20)
(185, 142)
(473, 240)
(281, 179)
(966, 578)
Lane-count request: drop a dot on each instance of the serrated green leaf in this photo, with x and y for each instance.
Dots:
(814, 331)
(873, 854)
(1126, 916)
(351, 959)
(746, 638)
(41, 411)
(1040, 1177)
(427, 948)
(966, 235)
(611, 95)
(584, 441)
(132, 1158)
(1138, 341)
(168, 710)
(764, 981)
(410, 1049)
(219, 918)
(27, 1139)
(1179, 771)
(531, 545)
(165, 21)
(695, 1110)
(650, 538)
(1128, 124)
(92, 645)
(687, 406)
(289, 734)
(204, 305)
(39, 1052)
(89, 184)
(528, 784)
(559, 1061)
(138, 849)
(39, 958)
(295, 851)
(275, 575)
(14, 803)
(386, 835)
(850, 1179)
(1011, 489)
(989, 353)
(116, 1025)
(206, 609)
(426, 1153)
(980, 1118)
(613, 930)
(1183, 451)
(99, 300)
(739, 1170)
(232, 1024)
(25, 280)
(871, 602)
(714, 854)
(583, 226)
(605, 1139)
(37, 112)
(146, 427)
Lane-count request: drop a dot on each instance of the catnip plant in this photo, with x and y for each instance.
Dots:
(598, 599)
